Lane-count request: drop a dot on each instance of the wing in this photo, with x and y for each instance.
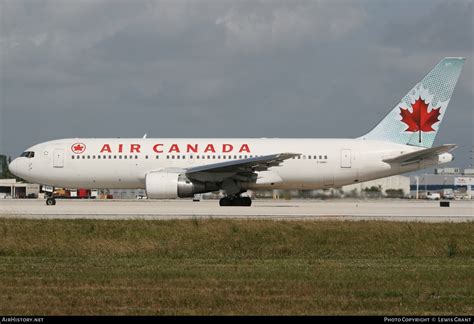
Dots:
(421, 154)
(240, 170)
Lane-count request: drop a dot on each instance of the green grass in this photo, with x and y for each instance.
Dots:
(81, 267)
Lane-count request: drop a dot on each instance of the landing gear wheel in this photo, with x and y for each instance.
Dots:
(226, 201)
(50, 201)
(245, 201)
(235, 201)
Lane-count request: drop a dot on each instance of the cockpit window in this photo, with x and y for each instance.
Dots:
(28, 154)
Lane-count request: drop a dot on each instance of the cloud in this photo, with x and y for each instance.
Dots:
(447, 26)
(266, 26)
(104, 68)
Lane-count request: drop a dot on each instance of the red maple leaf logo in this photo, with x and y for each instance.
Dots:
(78, 148)
(420, 120)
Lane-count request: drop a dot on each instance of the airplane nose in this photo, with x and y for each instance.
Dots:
(14, 167)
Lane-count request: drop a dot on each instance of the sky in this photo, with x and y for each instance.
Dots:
(299, 69)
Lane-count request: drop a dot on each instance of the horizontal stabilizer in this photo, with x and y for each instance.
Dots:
(421, 154)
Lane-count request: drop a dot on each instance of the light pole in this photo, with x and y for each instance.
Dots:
(424, 180)
(417, 178)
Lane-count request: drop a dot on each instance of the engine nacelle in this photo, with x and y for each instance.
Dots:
(170, 185)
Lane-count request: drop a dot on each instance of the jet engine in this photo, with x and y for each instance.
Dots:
(170, 185)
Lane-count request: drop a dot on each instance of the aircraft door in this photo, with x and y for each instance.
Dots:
(346, 158)
(58, 160)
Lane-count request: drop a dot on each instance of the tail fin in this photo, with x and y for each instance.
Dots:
(416, 119)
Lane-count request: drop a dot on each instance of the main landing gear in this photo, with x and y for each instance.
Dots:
(235, 201)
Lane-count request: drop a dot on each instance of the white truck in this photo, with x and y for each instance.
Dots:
(433, 196)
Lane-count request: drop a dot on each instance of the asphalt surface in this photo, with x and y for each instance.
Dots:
(388, 210)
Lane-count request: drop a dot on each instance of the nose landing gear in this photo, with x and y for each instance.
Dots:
(49, 192)
(235, 201)
(50, 201)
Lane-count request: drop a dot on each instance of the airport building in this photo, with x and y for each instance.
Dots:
(126, 193)
(458, 181)
(10, 188)
(397, 186)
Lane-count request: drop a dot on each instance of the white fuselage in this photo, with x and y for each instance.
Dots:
(124, 163)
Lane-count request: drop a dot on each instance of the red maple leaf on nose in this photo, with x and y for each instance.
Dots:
(420, 119)
(78, 148)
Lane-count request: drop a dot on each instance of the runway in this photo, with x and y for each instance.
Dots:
(387, 210)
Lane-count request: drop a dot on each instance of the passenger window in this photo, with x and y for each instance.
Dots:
(120, 157)
(320, 157)
(157, 157)
(146, 157)
(124, 157)
(325, 157)
(98, 157)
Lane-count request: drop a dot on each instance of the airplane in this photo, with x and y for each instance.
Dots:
(182, 167)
